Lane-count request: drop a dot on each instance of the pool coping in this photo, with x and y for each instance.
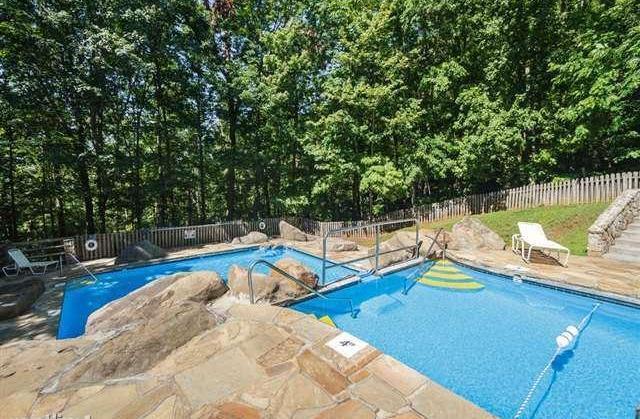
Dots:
(556, 285)
(158, 261)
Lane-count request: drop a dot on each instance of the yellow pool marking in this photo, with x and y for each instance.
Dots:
(327, 320)
(444, 269)
(466, 285)
(446, 275)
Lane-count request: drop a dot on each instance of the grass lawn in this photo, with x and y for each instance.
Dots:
(567, 225)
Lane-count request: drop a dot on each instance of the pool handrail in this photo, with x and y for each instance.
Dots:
(376, 226)
(434, 241)
(295, 280)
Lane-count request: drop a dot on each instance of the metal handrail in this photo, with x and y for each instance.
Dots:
(434, 241)
(377, 254)
(294, 279)
(74, 257)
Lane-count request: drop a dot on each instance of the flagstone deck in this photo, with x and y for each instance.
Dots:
(620, 280)
(262, 361)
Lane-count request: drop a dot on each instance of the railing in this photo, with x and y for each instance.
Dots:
(295, 280)
(82, 265)
(406, 289)
(376, 228)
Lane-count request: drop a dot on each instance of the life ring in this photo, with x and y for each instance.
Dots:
(91, 245)
(262, 225)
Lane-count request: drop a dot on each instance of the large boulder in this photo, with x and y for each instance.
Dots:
(144, 303)
(336, 244)
(395, 242)
(289, 232)
(141, 329)
(137, 349)
(264, 287)
(427, 250)
(16, 299)
(471, 234)
(252, 238)
(288, 288)
(143, 250)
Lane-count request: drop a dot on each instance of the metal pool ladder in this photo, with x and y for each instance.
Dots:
(433, 242)
(294, 279)
(376, 227)
(74, 257)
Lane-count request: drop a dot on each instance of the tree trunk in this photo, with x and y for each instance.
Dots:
(101, 175)
(162, 158)
(137, 189)
(13, 212)
(83, 177)
(231, 172)
(201, 166)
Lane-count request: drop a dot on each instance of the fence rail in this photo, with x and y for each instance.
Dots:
(576, 191)
(586, 190)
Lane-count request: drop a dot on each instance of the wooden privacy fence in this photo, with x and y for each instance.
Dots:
(586, 190)
(110, 244)
(577, 191)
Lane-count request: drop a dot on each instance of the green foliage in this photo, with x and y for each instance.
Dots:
(125, 114)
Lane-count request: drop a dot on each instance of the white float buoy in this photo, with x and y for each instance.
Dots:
(562, 341)
(573, 330)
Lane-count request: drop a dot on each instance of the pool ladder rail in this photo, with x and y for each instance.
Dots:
(294, 279)
(434, 241)
(75, 258)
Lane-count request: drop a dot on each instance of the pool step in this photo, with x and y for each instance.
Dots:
(467, 285)
(443, 274)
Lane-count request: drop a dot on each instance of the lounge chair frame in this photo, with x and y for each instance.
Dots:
(22, 262)
(519, 245)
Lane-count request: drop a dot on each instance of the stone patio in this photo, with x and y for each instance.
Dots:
(262, 361)
(592, 274)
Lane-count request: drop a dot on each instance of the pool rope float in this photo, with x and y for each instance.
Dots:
(444, 274)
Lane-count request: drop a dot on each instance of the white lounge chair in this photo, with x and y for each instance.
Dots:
(532, 235)
(21, 262)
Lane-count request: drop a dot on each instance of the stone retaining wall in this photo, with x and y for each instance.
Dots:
(609, 225)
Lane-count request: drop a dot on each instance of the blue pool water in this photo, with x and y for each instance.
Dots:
(83, 296)
(489, 346)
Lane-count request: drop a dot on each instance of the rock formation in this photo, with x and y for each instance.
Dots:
(288, 288)
(17, 298)
(274, 286)
(471, 234)
(253, 237)
(336, 244)
(289, 232)
(143, 250)
(264, 287)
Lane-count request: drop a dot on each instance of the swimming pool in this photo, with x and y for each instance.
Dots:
(83, 296)
(489, 345)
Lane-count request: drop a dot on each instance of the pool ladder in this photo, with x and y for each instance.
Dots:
(294, 279)
(74, 257)
(444, 255)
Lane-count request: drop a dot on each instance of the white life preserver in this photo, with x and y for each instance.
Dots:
(262, 225)
(91, 245)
